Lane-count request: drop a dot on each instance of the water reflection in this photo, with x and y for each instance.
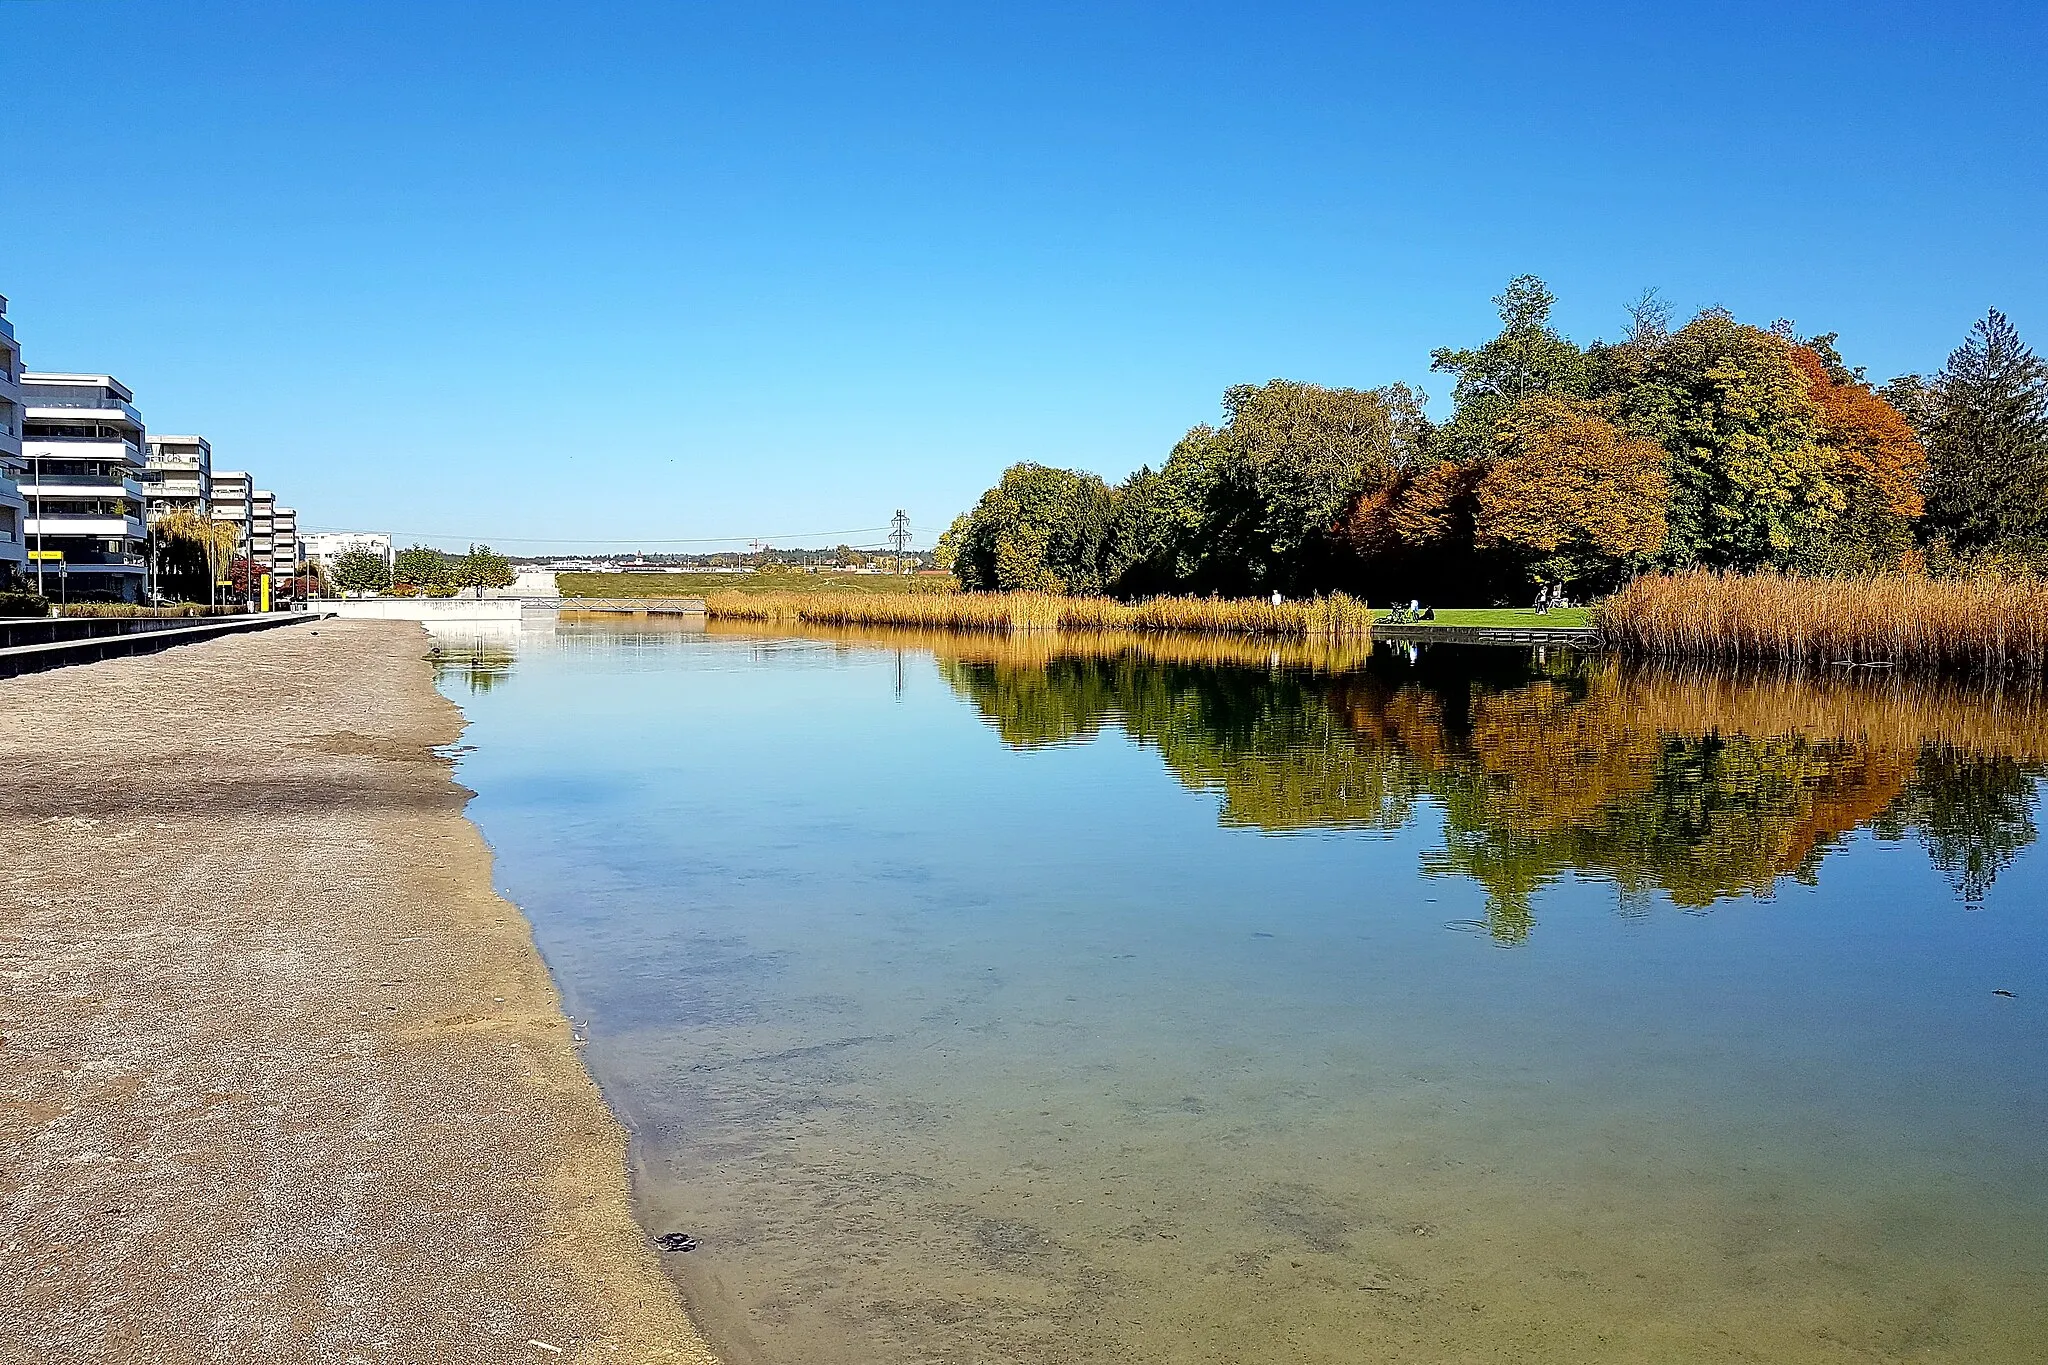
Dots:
(948, 1049)
(478, 654)
(1696, 785)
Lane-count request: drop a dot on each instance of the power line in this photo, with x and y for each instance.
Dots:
(599, 540)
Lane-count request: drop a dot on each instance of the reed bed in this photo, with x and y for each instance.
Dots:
(1980, 625)
(1325, 618)
(1036, 649)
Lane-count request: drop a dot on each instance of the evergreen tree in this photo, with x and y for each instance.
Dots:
(1987, 444)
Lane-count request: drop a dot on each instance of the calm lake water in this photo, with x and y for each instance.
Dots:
(976, 1000)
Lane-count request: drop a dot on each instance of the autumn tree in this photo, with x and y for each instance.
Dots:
(1569, 495)
(1749, 482)
(1871, 456)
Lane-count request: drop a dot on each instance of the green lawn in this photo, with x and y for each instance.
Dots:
(1564, 618)
(701, 584)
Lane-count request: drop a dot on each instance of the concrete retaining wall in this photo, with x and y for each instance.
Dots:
(85, 649)
(422, 608)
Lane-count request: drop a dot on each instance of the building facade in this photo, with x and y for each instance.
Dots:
(284, 544)
(262, 531)
(325, 547)
(13, 506)
(84, 447)
(178, 476)
(231, 503)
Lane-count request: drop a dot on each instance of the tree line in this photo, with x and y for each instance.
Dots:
(1717, 444)
(421, 570)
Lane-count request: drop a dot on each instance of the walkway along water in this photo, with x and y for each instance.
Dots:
(285, 1079)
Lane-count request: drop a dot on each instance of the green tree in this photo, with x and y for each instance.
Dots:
(1986, 430)
(1262, 502)
(481, 568)
(360, 571)
(421, 566)
(1526, 359)
(1039, 529)
(946, 553)
(1749, 483)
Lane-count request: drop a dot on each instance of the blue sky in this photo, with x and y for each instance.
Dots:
(641, 273)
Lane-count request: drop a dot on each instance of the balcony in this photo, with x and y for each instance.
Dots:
(82, 485)
(81, 450)
(70, 403)
(54, 526)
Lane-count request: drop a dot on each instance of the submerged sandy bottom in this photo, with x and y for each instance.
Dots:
(948, 1052)
(982, 1176)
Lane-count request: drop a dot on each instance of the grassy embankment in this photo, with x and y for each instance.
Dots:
(881, 600)
(1981, 625)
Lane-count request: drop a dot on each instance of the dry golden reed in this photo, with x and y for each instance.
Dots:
(1036, 649)
(1990, 625)
(1334, 617)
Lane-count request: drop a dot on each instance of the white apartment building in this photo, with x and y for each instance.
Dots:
(230, 503)
(13, 506)
(262, 537)
(83, 447)
(327, 546)
(178, 475)
(284, 544)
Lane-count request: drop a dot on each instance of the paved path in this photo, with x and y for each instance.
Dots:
(281, 1078)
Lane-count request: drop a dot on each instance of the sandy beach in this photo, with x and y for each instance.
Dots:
(284, 1079)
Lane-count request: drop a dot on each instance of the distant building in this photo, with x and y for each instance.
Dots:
(328, 546)
(231, 503)
(284, 544)
(178, 475)
(83, 445)
(262, 538)
(13, 506)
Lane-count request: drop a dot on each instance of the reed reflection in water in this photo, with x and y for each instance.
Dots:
(1064, 998)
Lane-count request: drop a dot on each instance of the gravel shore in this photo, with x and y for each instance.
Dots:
(281, 1078)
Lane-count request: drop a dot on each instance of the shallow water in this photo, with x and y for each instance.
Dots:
(976, 1000)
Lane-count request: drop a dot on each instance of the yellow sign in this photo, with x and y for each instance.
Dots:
(46, 554)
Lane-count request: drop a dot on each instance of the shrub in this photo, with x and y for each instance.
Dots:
(23, 604)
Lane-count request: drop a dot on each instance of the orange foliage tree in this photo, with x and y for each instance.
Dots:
(1570, 494)
(1872, 456)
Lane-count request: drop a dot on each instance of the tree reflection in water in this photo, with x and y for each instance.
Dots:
(1699, 785)
(482, 667)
